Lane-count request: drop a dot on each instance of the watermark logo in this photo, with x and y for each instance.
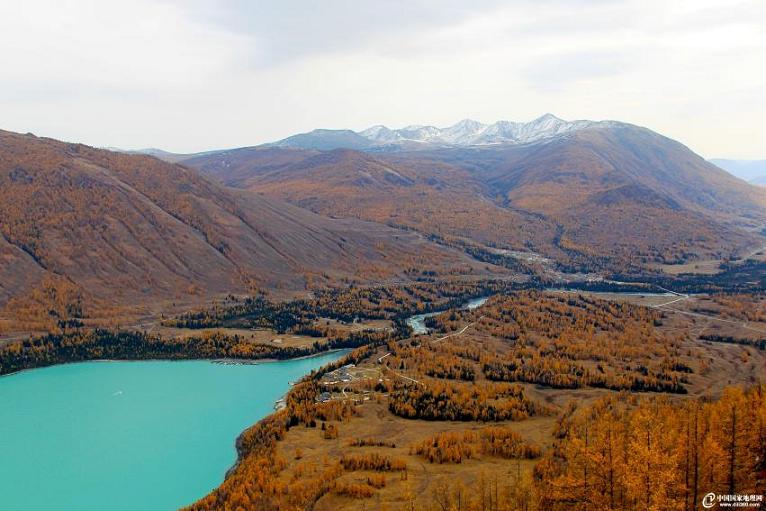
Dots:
(752, 501)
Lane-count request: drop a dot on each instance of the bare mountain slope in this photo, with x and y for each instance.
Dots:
(604, 190)
(622, 190)
(236, 166)
(429, 196)
(128, 228)
(602, 159)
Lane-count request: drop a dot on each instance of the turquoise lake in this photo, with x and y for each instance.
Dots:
(150, 435)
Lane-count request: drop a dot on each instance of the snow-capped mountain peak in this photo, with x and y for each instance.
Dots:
(469, 132)
(380, 133)
(462, 133)
(465, 133)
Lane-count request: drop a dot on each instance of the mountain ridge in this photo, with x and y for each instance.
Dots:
(605, 188)
(464, 133)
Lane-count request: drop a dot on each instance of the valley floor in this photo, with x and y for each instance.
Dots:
(411, 403)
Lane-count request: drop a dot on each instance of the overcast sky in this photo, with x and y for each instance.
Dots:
(191, 75)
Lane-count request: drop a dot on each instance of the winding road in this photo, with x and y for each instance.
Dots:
(457, 333)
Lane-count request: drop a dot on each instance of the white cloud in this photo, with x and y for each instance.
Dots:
(193, 75)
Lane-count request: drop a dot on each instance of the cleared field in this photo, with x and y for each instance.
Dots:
(270, 337)
(707, 267)
(258, 336)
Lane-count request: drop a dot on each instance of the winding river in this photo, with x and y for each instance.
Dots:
(418, 325)
(150, 435)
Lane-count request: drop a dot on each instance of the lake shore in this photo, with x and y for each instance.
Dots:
(155, 409)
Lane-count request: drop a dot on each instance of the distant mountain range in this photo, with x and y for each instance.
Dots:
(752, 171)
(463, 134)
(581, 192)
